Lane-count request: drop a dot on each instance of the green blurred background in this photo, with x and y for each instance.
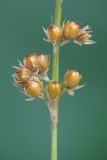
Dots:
(25, 126)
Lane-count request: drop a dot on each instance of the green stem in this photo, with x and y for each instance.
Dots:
(54, 142)
(55, 69)
(58, 11)
(55, 77)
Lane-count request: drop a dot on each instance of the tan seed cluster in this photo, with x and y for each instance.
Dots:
(69, 31)
(26, 75)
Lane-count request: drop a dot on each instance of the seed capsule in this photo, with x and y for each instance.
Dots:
(54, 90)
(33, 89)
(43, 62)
(54, 34)
(31, 62)
(70, 30)
(71, 79)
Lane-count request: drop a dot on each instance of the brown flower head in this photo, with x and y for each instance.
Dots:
(43, 62)
(21, 76)
(70, 30)
(53, 34)
(33, 89)
(31, 62)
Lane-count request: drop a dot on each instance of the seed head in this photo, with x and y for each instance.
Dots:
(37, 62)
(54, 34)
(31, 62)
(54, 90)
(21, 76)
(70, 30)
(43, 62)
(71, 79)
(33, 88)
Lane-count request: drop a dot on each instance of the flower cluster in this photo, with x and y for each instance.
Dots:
(69, 31)
(30, 74)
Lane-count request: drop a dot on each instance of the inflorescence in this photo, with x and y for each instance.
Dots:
(31, 75)
(69, 31)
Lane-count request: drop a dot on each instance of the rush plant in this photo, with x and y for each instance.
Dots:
(31, 75)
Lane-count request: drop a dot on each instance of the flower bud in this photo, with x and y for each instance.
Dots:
(54, 90)
(70, 30)
(54, 34)
(33, 89)
(71, 79)
(31, 62)
(43, 62)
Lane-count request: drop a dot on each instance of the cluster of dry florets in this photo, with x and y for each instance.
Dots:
(31, 75)
(67, 32)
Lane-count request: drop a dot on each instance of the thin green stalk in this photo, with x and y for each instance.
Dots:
(55, 77)
(58, 11)
(54, 142)
(55, 69)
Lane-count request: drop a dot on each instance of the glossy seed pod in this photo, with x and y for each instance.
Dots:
(33, 89)
(54, 34)
(43, 62)
(70, 30)
(54, 90)
(71, 79)
(31, 62)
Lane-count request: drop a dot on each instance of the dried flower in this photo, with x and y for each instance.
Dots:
(37, 62)
(54, 90)
(83, 37)
(33, 89)
(43, 62)
(21, 76)
(53, 34)
(31, 61)
(70, 30)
